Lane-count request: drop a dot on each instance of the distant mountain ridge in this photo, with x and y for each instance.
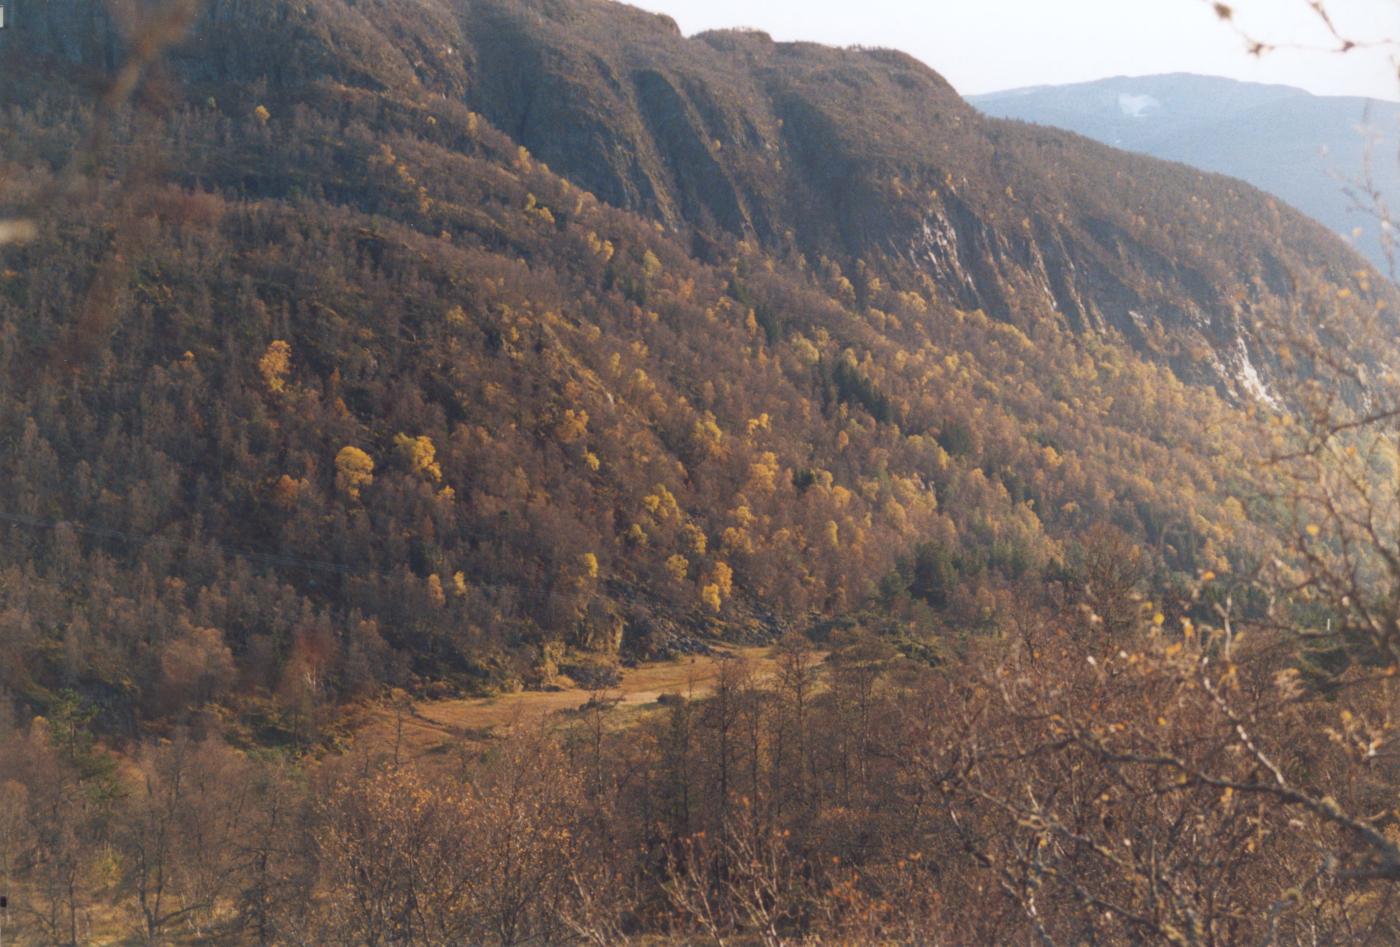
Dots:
(1303, 148)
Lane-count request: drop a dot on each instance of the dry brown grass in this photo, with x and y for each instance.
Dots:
(434, 727)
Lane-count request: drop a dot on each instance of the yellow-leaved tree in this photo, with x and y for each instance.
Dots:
(354, 470)
(275, 365)
(419, 455)
(719, 587)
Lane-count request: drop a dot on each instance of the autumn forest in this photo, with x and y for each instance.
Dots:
(920, 528)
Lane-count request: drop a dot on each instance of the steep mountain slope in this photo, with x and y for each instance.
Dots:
(317, 377)
(867, 158)
(1305, 149)
(870, 156)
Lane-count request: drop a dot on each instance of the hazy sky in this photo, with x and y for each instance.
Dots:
(986, 45)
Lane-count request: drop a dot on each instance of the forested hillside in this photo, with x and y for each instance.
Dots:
(318, 380)
(355, 352)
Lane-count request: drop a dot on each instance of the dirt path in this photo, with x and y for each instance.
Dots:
(438, 726)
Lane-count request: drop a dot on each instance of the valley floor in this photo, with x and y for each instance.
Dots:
(427, 728)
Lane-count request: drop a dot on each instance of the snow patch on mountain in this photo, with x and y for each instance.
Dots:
(1137, 106)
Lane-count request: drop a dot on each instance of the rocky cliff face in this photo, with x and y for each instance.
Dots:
(870, 158)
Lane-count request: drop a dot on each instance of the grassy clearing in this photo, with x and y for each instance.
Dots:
(435, 727)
